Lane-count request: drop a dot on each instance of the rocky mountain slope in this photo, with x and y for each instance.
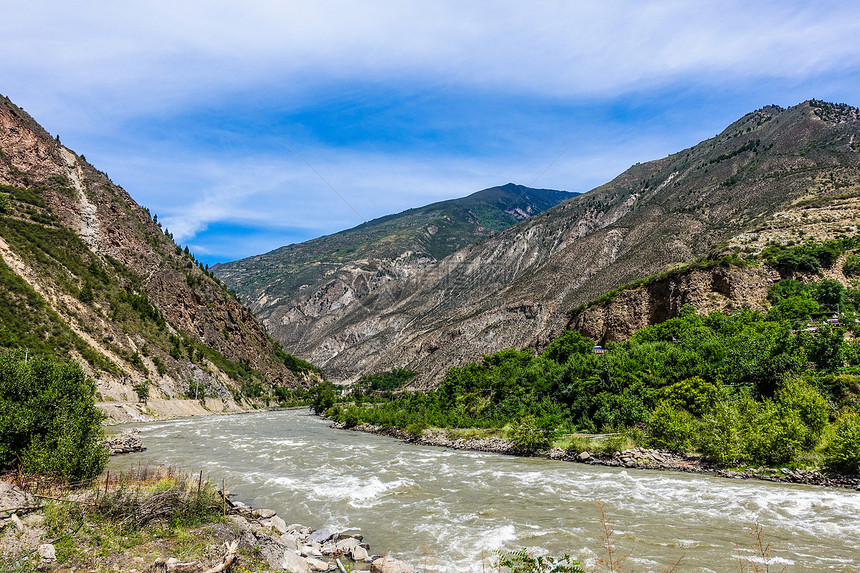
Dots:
(87, 272)
(751, 183)
(294, 287)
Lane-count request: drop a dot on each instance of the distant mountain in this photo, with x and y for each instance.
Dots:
(293, 287)
(774, 175)
(85, 272)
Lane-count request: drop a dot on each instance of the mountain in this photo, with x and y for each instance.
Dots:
(773, 175)
(88, 273)
(294, 287)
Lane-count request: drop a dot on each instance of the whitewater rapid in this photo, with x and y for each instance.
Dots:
(449, 510)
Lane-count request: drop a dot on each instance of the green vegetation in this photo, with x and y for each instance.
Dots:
(745, 388)
(115, 522)
(386, 381)
(48, 420)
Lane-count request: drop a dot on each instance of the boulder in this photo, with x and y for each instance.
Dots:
(276, 523)
(317, 564)
(271, 552)
(389, 565)
(358, 553)
(47, 553)
(584, 456)
(288, 542)
(321, 535)
(293, 563)
(347, 544)
(265, 513)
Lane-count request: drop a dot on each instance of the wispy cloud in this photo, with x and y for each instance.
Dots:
(398, 103)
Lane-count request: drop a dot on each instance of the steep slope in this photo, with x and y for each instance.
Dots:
(87, 272)
(293, 287)
(517, 288)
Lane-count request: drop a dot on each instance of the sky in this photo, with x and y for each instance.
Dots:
(248, 126)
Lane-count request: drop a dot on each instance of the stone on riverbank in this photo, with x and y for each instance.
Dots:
(389, 564)
(125, 443)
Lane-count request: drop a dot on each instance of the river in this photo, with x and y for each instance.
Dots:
(443, 509)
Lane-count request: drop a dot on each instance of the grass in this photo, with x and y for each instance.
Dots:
(131, 517)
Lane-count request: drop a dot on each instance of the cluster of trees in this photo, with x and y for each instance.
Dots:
(748, 387)
(49, 423)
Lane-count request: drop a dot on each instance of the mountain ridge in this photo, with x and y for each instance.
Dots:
(294, 285)
(517, 288)
(89, 273)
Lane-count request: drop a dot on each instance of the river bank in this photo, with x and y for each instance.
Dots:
(633, 458)
(118, 531)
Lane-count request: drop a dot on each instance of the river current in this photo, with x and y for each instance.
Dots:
(448, 510)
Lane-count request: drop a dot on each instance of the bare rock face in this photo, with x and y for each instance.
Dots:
(716, 289)
(518, 287)
(138, 307)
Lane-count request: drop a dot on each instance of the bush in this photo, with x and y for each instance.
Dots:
(322, 397)
(843, 451)
(48, 417)
(775, 436)
(672, 428)
(723, 431)
(528, 437)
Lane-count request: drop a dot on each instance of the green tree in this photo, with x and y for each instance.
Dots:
(4, 203)
(48, 417)
(843, 451)
(568, 343)
(322, 397)
(142, 391)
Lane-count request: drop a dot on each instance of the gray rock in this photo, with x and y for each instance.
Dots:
(47, 553)
(358, 553)
(347, 544)
(16, 521)
(321, 535)
(293, 563)
(295, 527)
(389, 565)
(288, 542)
(247, 540)
(276, 523)
(265, 513)
(271, 552)
(317, 564)
(584, 456)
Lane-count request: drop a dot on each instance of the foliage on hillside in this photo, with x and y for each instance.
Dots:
(748, 387)
(48, 420)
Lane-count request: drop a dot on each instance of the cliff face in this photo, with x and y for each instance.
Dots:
(295, 288)
(100, 279)
(517, 288)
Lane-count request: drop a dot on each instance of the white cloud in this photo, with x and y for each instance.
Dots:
(132, 56)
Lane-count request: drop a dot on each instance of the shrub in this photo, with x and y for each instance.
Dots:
(48, 417)
(811, 408)
(843, 451)
(851, 267)
(322, 397)
(692, 394)
(672, 428)
(775, 436)
(528, 437)
(722, 433)
(142, 391)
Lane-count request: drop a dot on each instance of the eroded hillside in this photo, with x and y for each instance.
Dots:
(88, 272)
(517, 288)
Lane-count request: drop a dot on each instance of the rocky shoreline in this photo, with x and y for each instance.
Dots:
(300, 549)
(634, 458)
(126, 442)
(295, 547)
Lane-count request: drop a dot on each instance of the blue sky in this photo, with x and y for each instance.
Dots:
(396, 103)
